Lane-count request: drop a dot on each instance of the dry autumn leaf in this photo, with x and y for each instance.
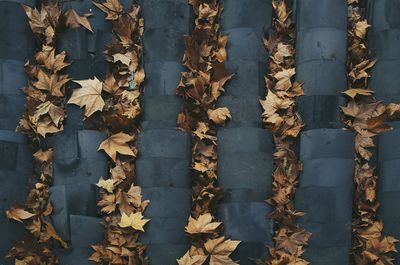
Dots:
(108, 184)
(73, 20)
(220, 115)
(117, 143)
(188, 259)
(361, 28)
(358, 91)
(220, 249)
(88, 96)
(18, 213)
(56, 113)
(44, 156)
(134, 220)
(111, 7)
(203, 224)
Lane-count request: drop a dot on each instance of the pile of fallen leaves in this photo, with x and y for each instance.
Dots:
(113, 106)
(200, 87)
(365, 116)
(44, 115)
(281, 118)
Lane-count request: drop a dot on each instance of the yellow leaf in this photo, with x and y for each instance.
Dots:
(134, 220)
(220, 115)
(89, 96)
(117, 143)
(203, 224)
(73, 20)
(108, 184)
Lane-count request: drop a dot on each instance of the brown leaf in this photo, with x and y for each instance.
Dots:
(18, 213)
(360, 28)
(220, 249)
(117, 143)
(112, 8)
(203, 224)
(134, 220)
(358, 91)
(73, 20)
(188, 259)
(220, 115)
(88, 96)
(284, 79)
(44, 156)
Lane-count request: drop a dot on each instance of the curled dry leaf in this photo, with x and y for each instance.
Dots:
(353, 92)
(220, 115)
(117, 143)
(88, 96)
(134, 220)
(18, 213)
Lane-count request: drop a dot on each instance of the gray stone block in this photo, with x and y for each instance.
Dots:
(326, 143)
(246, 170)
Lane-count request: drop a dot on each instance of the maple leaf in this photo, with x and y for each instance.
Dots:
(56, 113)
(89, 95)
(220, 115)
(353, 92)
(134, 220)
(46, 127)
(117, 143)
(18, 213)
(188, 259)
(283, 77)
(203, 224)
(107, 203)
(220, 249)
(53, 83)
(73, 20)
(110, 85)
(52, 61)
(281, 10)
(108, 184)
(282, 51)
(44, 156)
(112, 8)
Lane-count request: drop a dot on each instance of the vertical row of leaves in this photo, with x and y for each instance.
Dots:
(200, 87)
(44, 114)
(113, 106)
(281, 118)
(365, 116)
